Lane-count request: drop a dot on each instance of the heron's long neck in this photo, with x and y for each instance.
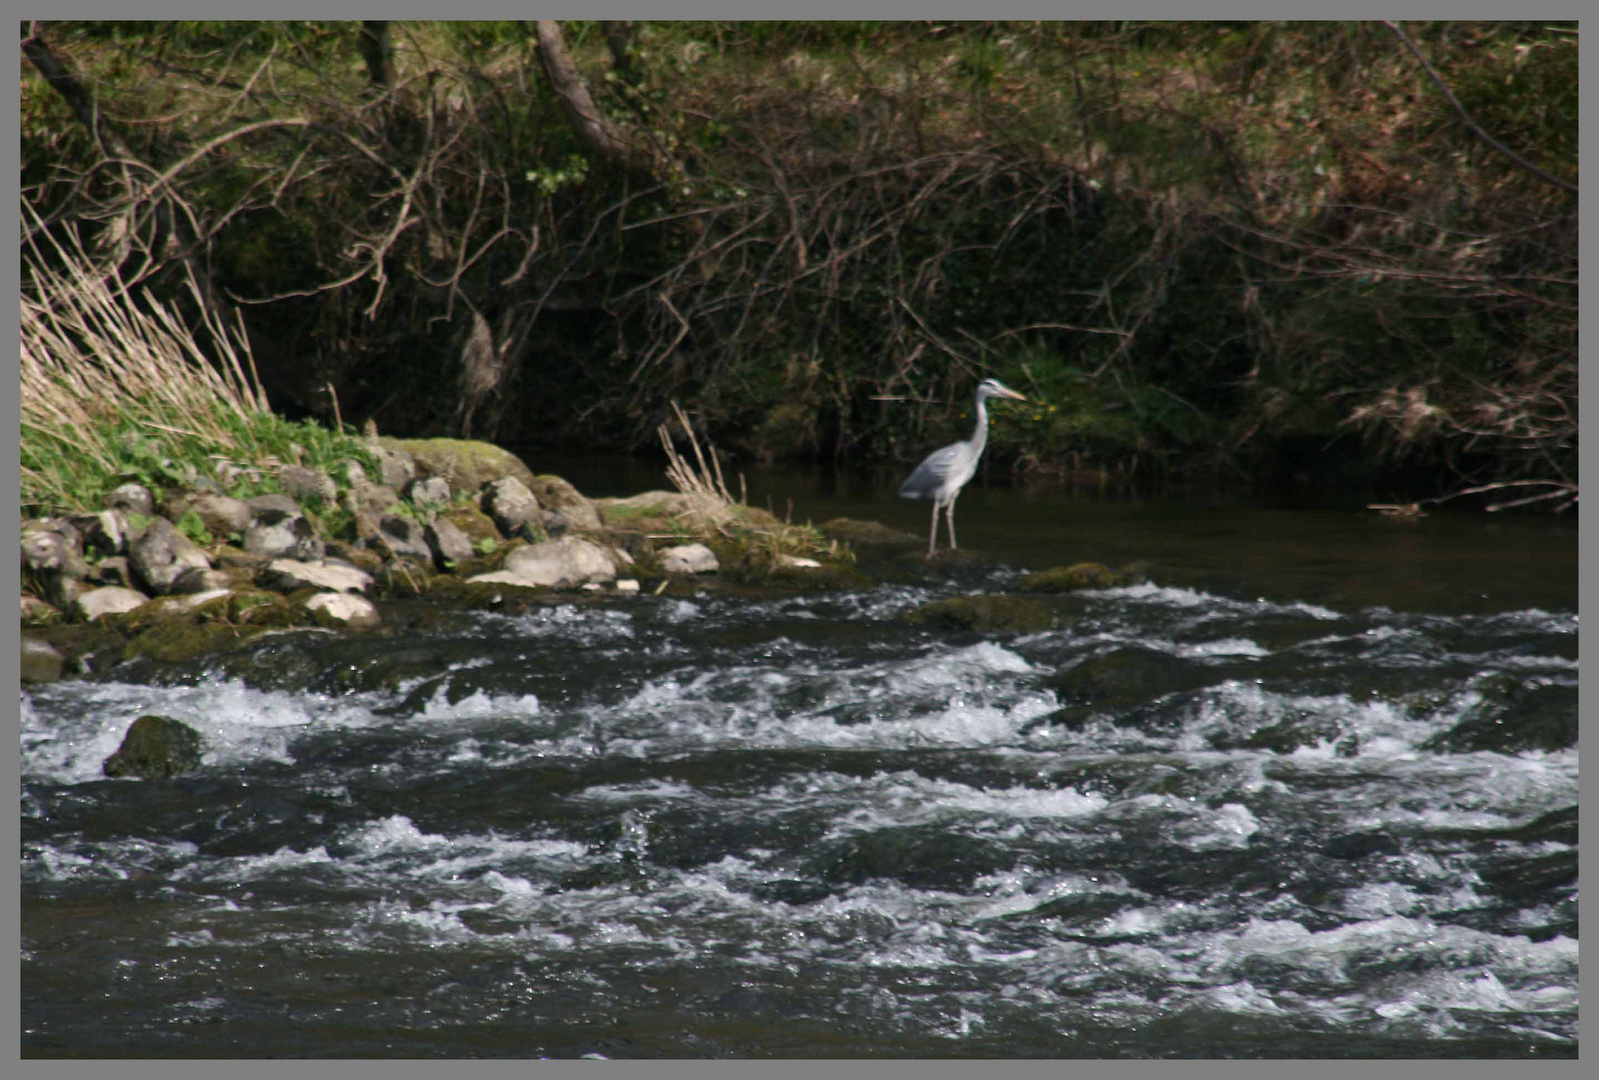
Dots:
(980, 433)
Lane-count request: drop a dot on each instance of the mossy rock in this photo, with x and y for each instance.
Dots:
(1007, 614)
(1128, 676)
(496, 596)
(870, 534)
(467, 464)
(179, 641)
(155, 748)
(41, 662)
(477, 526)
(829, 577)
(1083, 575)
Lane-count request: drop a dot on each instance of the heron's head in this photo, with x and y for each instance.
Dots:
(995, 388)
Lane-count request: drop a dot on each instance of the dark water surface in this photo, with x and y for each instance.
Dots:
(1309, 791)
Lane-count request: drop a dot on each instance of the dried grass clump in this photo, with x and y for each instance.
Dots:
(99, 363)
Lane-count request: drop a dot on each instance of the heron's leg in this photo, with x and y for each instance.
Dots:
(949, 512)
(932, 537)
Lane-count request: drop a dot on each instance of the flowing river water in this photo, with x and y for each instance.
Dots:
(1309, 790)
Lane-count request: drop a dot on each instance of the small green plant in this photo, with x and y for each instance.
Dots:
(190, 525)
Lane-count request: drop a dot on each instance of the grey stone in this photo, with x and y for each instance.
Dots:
(286, 575)
(53, 545)
(429, 491)
(193, 581)
(264, 507)
(301, 483)
(568, 561)
(134, 498)
(404, 537)
(514, 509)
(222, 515)
(108, 600)
(449, 544)
(289, 536)
(113, 570)
(161, 553)
(558, 494)
(689, 559)
(41, 663)
(396, 468)
(106, 532)
(354, 611)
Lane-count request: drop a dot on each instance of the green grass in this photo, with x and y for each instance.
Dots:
(116, 388)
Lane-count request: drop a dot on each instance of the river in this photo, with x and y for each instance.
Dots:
(1307, 791)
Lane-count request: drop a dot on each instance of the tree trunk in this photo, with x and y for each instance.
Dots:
(376, 50)
(598, 131)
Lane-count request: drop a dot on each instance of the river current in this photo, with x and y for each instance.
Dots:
(1232, 811)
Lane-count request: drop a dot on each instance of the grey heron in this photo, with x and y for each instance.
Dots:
(943, 473)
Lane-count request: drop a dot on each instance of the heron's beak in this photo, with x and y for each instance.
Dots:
(1011, 394)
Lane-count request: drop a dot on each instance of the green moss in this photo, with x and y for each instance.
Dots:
(1083, 575)
(155, 747)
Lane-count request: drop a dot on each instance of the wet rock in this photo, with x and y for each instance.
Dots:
(41, 663)
(513, 508)
(1514, 716)
(132, 498)
(1128, 676)
(1083, 575)
(282, 534)
(568, 561)
(984, 613)
(810, 575)
(162, 553)
(448, 543)
(302, 484)
(287, 575)
(154, 748)
(180, 641)
(557, 494)
(337, 610)
(689, 559)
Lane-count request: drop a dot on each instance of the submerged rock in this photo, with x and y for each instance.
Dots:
(984, 613)
(1083, 575)
(155, 748)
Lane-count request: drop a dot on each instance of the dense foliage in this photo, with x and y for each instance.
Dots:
(1194, 246)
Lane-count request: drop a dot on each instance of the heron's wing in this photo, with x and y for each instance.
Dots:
(933, 473)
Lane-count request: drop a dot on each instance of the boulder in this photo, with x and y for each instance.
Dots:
(162, 553)
(222, 515)
(343, 609)
(41, 663)
(396, 467)
(429, 491)
(155, 748)
(281, 534)
(113, 570)
(274, 503)
(689, 559)
(287, 575)
(557, 494)
(301, 484)
(448, 543)
(514, 509)
(1005, 614)
(107, 600)
(53, 545)
(568, 561)
(194, 581)
(373, 499)
(133, 498)
(106, 532)
(467, 464)
(37, 612)
(403, 537)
